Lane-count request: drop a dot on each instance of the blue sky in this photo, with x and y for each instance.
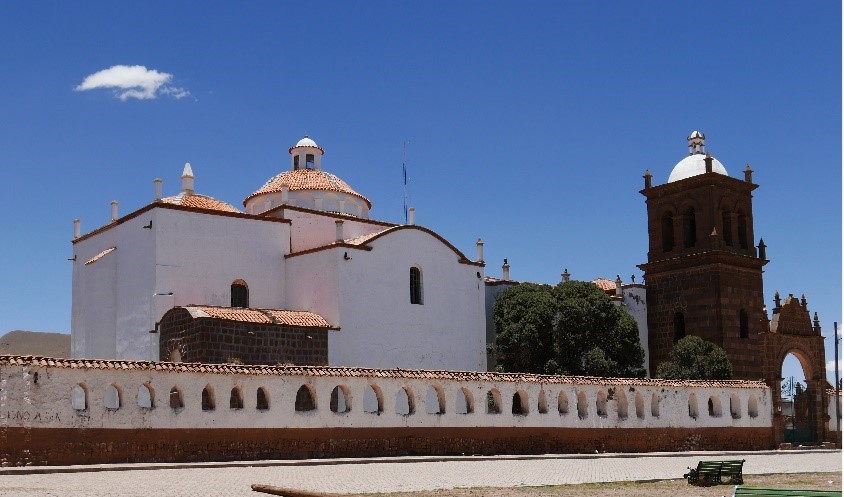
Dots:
(529, 124)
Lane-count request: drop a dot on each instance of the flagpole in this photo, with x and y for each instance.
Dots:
(404, 176)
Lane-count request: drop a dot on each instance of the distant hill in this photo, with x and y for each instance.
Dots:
(20, 342)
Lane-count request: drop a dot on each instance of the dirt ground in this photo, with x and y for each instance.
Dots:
(667, 488)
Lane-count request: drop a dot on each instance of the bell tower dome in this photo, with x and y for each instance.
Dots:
(306, 154)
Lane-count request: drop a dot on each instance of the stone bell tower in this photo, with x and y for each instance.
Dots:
(703, 275)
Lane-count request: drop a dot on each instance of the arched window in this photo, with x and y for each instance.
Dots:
(339, 402)
(742, 230)
(176, 401)
(262, 400)
(621, 404)
(146, 396)
(207, 398)
(735, 407)
(111, 400)
(714, 407)
(79, 397)
(493, 402)
(415, 286)
(743, 331)
(542, 403)
(309, 161)
(463, 402)
(667, 232)
(372, 400)
(640, 405)
(304, 399)
(236, 399)
(582, 408)
(693, 406)
(655, 405)
(601, 404)
(690, 228)
(563, 403)
(240, 294)
(727, 227)
(679, 326)
(435, 400)
(752, 406)
(295, 162)
(404, 402)
(520, 403)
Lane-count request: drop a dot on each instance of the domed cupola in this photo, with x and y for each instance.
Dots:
(189, 198)
(695, 163)
(307, 185)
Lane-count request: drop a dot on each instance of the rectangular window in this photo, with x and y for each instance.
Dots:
(415, 286)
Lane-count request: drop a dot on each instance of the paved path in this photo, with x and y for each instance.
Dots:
(387, 475)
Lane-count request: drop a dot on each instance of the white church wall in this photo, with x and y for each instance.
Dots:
(312, 284)
(94, 299)
(310, 229)
(635, 302)
(381, 328)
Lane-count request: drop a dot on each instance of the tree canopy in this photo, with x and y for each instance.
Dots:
(693, 358)
(573, 328)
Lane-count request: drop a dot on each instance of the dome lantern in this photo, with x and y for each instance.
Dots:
(696, 143)
(306, 154)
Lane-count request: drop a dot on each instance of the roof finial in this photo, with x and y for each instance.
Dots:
(696, 143)
(187, 178)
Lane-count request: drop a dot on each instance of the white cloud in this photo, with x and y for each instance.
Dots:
(133, 82)
(830, 366)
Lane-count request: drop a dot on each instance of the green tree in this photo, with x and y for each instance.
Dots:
(571, 329)
(693, 358)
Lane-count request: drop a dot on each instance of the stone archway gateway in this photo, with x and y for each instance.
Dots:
(792, 332)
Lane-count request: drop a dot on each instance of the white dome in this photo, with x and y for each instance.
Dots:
(694, 165)
(306, 142)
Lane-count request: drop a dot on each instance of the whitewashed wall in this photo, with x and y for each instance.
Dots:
(379, 325)
(195, 256)
(310, 230)
(46, 400)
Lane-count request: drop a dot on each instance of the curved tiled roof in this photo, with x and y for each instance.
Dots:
(604, 284)
(306, 179)
(283, 317)
(114, 364)
(200, 202)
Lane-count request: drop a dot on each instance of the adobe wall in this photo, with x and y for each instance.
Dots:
(382, 412)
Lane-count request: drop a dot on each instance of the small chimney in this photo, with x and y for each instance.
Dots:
(480, 250)
(505, 271)
(648, 178)
(187, 178)
(411, 216)
(748, 173)
(157, 182)
(285, 191)
(76, 232)
(618, 285)
(338, 227)
(708, 162)
(114, 210)
(566, 276)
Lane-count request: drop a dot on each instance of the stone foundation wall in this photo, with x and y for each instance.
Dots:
(44, 446)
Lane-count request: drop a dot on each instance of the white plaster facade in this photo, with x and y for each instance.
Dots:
(42, 396)
(321, 255)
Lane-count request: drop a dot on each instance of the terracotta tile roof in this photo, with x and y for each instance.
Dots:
(604, 284)
(349, 372)
(200, 202)
(361, 240)
(301, 319)
(100, 256)
(306, 179)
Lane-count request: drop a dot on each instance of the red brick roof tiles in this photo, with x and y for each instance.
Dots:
(100, 256)
(37, 361)
(604, 284)
(301, 319)
(306, 179)
(200, 202)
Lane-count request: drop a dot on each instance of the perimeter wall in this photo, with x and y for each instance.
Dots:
(57, 411)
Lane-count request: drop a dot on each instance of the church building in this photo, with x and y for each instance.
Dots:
(300, 275)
